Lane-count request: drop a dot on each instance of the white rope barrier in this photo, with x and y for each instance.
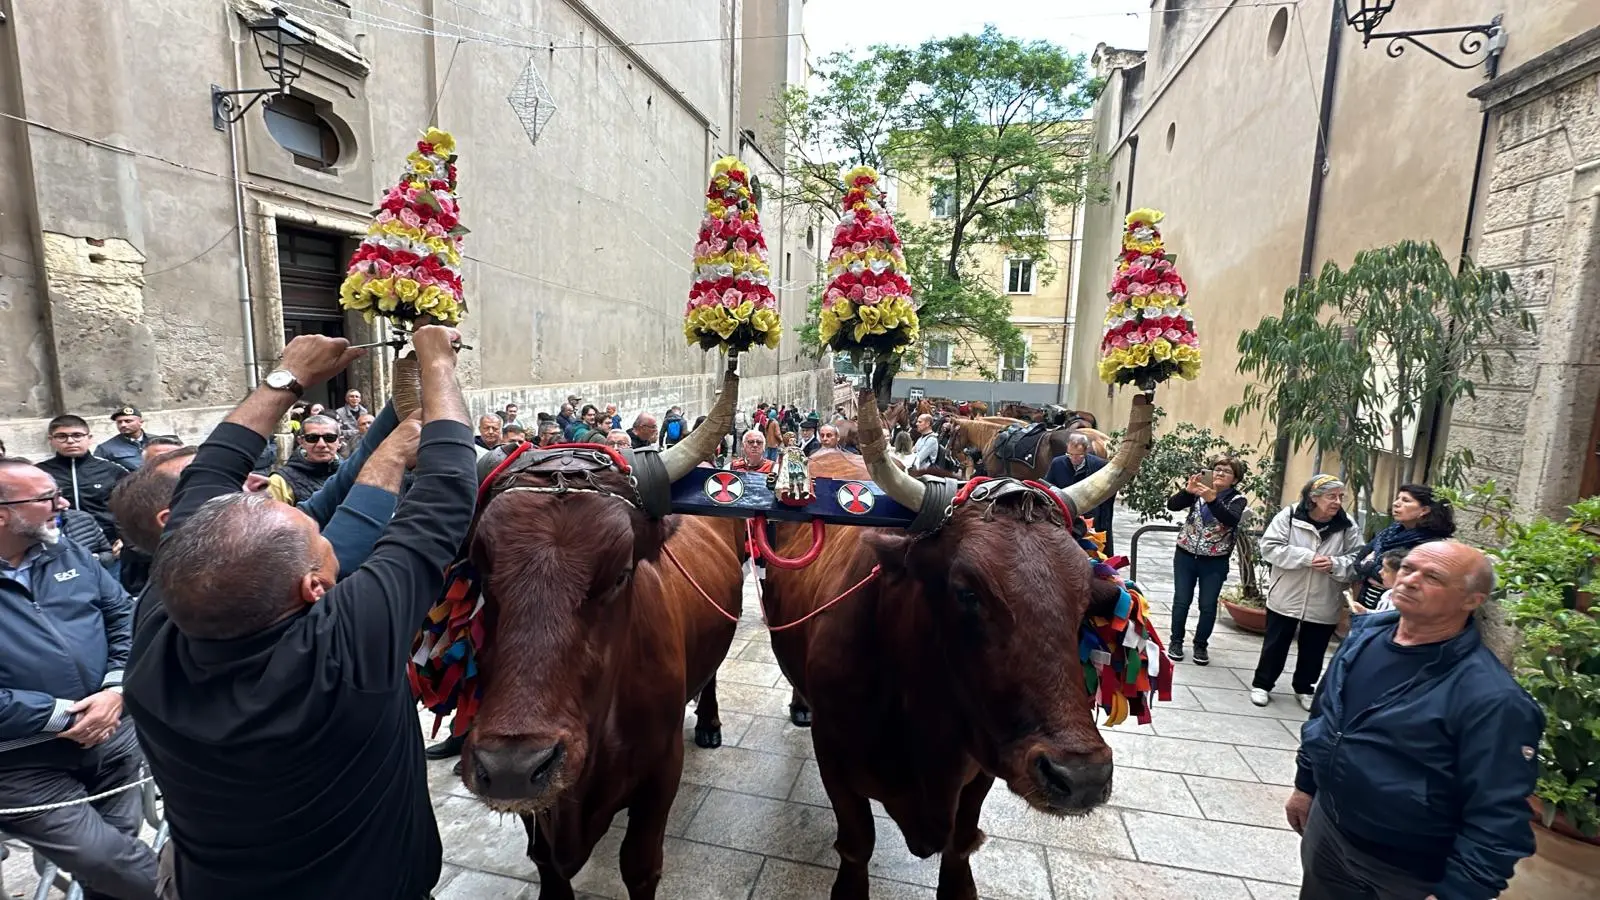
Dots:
(28, 810)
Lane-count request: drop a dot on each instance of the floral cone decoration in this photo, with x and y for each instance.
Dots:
(409, 264)
(730, 303)
(867, 305)
(1149, 334)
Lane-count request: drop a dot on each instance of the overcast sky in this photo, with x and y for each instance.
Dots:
(1075, 24)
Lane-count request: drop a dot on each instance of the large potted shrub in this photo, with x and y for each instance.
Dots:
(1246, 603)
(1544, 570)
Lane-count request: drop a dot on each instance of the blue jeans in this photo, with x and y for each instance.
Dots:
(1188, 570)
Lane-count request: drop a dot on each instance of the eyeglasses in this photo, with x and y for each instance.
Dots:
(48, 498)
(70, 436)
(320, 438)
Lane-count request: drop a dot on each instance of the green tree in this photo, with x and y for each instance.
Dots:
(989, 123)
(1359, 355)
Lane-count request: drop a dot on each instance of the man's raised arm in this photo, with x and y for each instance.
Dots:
(229, 453)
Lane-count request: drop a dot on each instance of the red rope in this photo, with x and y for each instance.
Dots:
(871, 576)
(826, 606)
(756, 530)
(714, 604)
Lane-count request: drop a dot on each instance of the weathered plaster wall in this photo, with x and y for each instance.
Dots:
(579, 260)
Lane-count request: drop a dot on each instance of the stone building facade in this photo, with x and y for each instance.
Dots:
(125, 277)
(1276, 142)
(1536, 428)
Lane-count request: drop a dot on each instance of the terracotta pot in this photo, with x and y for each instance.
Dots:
(1560, 869)
(1560, 826)
(1247, 617)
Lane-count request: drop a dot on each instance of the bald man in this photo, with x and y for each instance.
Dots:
(1415, 767)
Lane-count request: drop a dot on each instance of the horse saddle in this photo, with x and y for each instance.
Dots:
(1020, 443)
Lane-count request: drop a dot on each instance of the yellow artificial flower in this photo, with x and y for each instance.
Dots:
(844, 309)
(827, 326)
(1189, 371)
(417, 185)
(1184, 353)
(1115, 310)
(772, 338)
(741, 313)
(407, 289)
(443, 143)
(1145, 216)
(1138, 302)
(871, 319)
(1139, 355)
(420, 164)
(1161, 349)
(766, 320)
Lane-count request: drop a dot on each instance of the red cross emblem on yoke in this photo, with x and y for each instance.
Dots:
(855, 498)
(724, 488)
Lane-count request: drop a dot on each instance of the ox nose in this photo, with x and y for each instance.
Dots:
(515, 772)
(1074, 784)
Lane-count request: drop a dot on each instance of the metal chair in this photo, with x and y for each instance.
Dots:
(50, 876)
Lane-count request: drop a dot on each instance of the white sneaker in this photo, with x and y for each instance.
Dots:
(1260, 697)
(1305, 701)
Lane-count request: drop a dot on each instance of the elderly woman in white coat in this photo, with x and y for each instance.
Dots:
(1311, 547)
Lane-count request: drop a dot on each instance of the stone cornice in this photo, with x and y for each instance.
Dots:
(1551, 70)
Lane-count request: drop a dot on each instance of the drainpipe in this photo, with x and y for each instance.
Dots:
(1319, 171)
(252, 373)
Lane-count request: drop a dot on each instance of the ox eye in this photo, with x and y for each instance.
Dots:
(622, 577)
(968, 599)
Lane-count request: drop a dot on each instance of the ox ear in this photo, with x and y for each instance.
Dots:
(896, 552)
(1103, 597)
(649, 535)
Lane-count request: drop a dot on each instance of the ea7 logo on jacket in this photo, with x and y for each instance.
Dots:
(68, 575)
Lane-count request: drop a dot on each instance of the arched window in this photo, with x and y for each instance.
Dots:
(296, 126)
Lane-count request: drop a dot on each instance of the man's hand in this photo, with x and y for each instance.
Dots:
(98, 715)
(116, 549)
(436, 344)
(1322, 564)
(386, 467)
(435, 347)
(314, 358)
(1298, 810)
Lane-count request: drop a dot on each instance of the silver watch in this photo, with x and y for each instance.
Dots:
(284, 380)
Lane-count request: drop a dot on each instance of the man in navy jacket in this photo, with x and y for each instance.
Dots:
(1074, 466)
(66, 627)
(1421, 751)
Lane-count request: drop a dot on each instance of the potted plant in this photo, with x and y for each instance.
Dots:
(1246, 603)
(1544, 570)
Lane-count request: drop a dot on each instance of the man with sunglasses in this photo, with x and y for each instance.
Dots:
(85, 480)
(304, 472)
(66, 627)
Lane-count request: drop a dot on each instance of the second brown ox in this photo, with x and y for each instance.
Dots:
(595, 642)
(958, 665)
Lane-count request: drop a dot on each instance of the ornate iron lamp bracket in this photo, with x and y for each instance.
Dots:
(1488, 40)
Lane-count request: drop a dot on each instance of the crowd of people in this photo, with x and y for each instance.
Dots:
(264, 659)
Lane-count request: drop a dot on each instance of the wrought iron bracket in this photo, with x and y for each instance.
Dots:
(225, 109)
(1489, 41)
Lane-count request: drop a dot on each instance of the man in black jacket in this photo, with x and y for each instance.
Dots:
(126, 447)
(272, 699)
(84, 479)
(1074, 466)
(65, 628)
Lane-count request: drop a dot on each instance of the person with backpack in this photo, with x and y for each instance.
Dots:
(673, 427)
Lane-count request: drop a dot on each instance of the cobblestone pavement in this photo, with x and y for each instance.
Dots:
(1197, 810)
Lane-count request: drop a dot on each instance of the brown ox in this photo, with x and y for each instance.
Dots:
(595, 642)
(956, 666)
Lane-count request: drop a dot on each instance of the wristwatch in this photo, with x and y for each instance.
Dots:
(284, 380)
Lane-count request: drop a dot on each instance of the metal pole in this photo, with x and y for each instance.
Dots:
(252, 373)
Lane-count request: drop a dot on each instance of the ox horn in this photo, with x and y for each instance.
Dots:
(701, 444)
(1097, 488)
(894, 481)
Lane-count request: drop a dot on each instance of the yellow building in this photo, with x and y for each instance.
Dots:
(962, 367)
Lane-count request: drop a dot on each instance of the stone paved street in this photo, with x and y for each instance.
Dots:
(1197, 810)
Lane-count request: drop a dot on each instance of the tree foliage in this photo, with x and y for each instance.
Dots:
(986, 120)
(1359, 355)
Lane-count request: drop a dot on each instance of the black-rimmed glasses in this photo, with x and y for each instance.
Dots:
(48, 498)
